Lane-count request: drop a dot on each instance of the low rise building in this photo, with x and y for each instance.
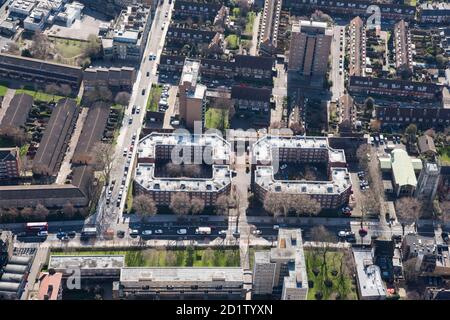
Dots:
(118, 79)
(268, 27)
(282, 269)
(426, 145)
(402, 46)
(403, 170)
(435, 12)
(255, 102)
(180, 283)
(368, 275)
(9, 163)
(357, 47)
(90, 266)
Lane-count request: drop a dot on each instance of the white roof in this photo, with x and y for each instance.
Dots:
(402, 168)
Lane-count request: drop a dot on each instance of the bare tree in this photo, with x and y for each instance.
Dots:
(180, 203)
(122, 98)
(305, 205)
(144, 206)
(68, 210)
(52, 89)
(410, 271)
(408, 211)
(41, 212)
(222, 205)
(277, 204)
(93, 46)
(26, 212)
(65, 90)
(103, 155)
(362, 153)
(370, 202)
(40, 46)
(323, 239)
(105, 94)
(197, 205)
(192, 170)
(13, 48)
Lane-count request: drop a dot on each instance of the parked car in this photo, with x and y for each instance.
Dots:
(42, 233)
(444, 236)
(276, 227)
(256, 232)
(147, 232)
(181, 231)
(120, 233)
(159, 231)
(71, 234)
(61, 235)
(134, 233)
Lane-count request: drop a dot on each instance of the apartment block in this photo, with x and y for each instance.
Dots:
(192, 95)
(428, 181)
(269, 151)
(194, 283)
(351, 7)
(395, 88)
(9, 163)
(282, 269)
(402, 45)
(268, 27)
(310, 48)
(118, 79)
(39, 71)
(253, 101)
(435, 12)
(357, 47)
(130, 34)
(210, 149)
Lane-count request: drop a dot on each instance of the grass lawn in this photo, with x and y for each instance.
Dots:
(172, 258)
(40, 96)
(216, 119)
(153, 98)
(130, 197)
(250, 20)
(24, 149)
(68, 48)
(233, 41)
(3, 90)
(444, 155)
(340, 285)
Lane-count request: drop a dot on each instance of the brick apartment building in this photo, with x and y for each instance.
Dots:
(188, 9)
(402, 45)
(357, 47)
(9, 163)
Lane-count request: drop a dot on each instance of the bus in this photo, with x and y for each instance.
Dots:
(203, 230)
(35, 227)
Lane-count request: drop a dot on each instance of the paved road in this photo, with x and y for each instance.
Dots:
(110, 214)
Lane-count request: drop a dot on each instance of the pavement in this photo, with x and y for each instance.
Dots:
(279, 91)
(254, 47)
(6, 101)
(338, 87)
(66, 166)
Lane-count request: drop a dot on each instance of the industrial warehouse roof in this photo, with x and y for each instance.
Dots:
(402, 168)
(18, 110)
(57, 133)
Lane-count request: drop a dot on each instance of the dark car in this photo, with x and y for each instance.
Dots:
(120, 233)
(397, 238)
(444, 236)
(61, 235)
(72, 234)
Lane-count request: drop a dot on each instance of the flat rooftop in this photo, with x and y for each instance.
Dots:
(145, 176)
(264, 177)
(87, 262)
(182, 274)
(220, 148)
(262, 149)
(369, 275)
(190, 73)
